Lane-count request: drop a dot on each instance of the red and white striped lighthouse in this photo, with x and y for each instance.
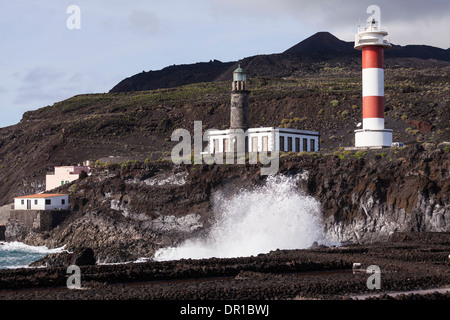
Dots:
(370, 39)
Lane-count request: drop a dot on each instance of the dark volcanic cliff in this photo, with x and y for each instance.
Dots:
(124, 212)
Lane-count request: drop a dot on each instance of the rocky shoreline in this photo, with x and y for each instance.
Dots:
(388, 208)
(408, 261)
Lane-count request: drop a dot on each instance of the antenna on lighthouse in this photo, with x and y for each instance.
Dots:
(375, 12)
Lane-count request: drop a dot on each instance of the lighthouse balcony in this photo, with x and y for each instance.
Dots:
(371, 39)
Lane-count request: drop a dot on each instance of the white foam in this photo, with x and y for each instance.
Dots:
(19, 246)
(275, 216)
(14, 255)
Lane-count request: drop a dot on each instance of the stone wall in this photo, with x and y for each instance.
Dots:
(4, 213)
(38, 220)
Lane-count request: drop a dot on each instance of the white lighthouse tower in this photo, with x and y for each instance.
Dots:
(370, 39)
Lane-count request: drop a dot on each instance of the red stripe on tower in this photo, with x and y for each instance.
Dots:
(373, 107)
(372, 57)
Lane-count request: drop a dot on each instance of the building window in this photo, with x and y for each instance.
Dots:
(281, 143)
(265, 144)
(255, 144)
(297, 144)
(313, 145)
(305, 145)
(225, 145)
(62, 183)
(35, 202)
(48, 201)
(63, 201)
(289, 143)
(22, 202)
(67, 182)
(216, 145)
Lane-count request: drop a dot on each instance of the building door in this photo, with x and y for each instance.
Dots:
(313, 145)
(297, 144)
(305, 145)
(281, 143)
(28, 204)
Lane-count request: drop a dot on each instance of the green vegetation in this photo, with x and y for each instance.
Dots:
(334, 103)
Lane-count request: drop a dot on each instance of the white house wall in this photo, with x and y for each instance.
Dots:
(55, 203)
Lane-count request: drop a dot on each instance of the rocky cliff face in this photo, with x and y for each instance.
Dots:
(368, 196)
(124, 212)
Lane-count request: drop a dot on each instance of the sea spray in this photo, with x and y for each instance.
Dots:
(276, 215)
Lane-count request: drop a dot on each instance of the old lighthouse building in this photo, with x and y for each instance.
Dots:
(241, 137)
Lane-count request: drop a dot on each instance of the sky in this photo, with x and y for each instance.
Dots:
(44, 59)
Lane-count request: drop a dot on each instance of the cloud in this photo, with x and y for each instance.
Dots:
(144, 22)
(40, 83)
(42, 74)
(417, 21)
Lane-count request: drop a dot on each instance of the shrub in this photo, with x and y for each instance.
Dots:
(334, 103)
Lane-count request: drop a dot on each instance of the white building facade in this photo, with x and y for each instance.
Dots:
(42, 202)
(265, 139)
(63, 175)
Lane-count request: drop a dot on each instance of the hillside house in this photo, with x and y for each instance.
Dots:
(63, 175)
(42, 202)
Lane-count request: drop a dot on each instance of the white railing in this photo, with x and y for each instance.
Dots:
(371, 28)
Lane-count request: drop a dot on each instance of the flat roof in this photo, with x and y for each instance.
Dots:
(265, 129)
(42, 195)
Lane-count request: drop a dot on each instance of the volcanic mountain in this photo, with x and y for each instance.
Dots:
(322, 46)
(322, 42)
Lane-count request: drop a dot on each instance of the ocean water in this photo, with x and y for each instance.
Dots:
(15, 255)
(274, 216)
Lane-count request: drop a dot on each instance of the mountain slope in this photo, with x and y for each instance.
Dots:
(173, 76)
